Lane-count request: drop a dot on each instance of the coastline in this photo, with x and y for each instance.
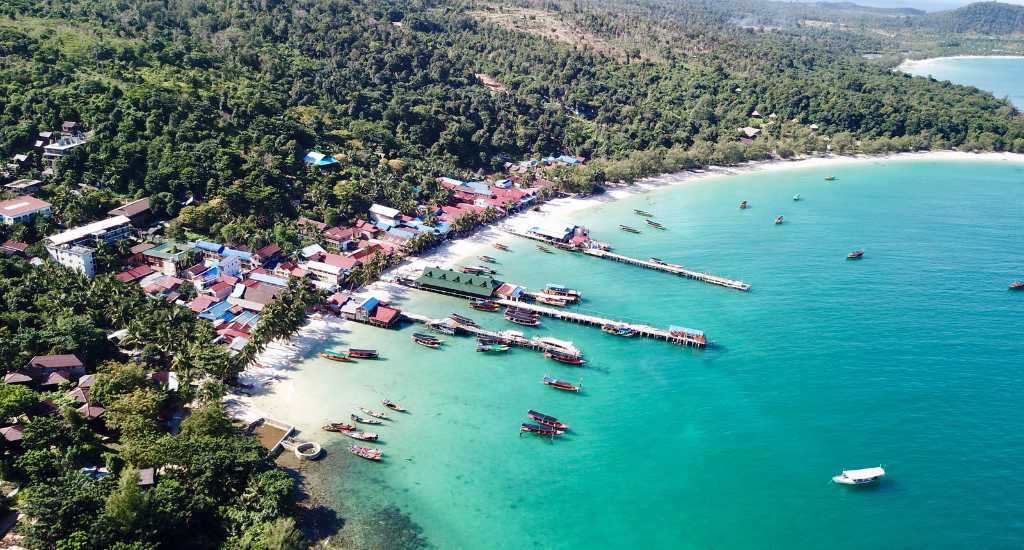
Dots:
(272, 371)
(909, 64)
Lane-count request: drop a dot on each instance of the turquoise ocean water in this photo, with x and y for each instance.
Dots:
(911, 358)
(1003, 76)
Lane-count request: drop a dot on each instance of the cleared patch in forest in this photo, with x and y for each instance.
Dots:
(548, 25)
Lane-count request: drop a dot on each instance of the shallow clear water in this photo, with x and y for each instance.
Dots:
(1003, 76)
(910, 358)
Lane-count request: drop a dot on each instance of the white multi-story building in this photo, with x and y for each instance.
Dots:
(74, 247)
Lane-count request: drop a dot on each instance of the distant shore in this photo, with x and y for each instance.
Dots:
(910, 64)
(273, 369)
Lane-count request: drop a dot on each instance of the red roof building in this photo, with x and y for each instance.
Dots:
(50, 362)
(91, 412)
(384, 316)
(202, 303)
(12, 434)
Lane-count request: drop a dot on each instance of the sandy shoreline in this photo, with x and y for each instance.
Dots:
(911, 64)
(271, 372)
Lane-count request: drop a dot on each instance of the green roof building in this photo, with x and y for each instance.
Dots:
(170, 258)
(447, 281)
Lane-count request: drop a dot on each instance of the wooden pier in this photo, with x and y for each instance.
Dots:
(502, 337)
(696, 340)
(668, 268)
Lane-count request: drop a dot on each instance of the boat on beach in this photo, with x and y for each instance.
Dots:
(544, 249)
(501, 247)
(562, 384)
(426, 340)
(375, 414)
(491, 347)
(654, 224)
(484, 305)
(617, 330)
(366, 452)
(779, 220)
(339, 427)
(363, 353)
(859, 477)
(361, 436)
(566, 358)
(487, 259)
(393, 406)
(546, 420)
(629, 229)
(336, 356)
(361, 420)
(462, 320)
(539, 430)
(855, 255)
(642, 213)
(1017, 285)
(743, 205)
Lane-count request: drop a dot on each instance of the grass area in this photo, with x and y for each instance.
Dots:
(74, 39)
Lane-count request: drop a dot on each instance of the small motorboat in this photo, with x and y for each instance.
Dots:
(552, 300)
(366, 452)
(472, 270)
(830, 178)
(393, 406)
(525, 320)
(501, 247)
(361, 420)
(559, 290)
(778, 220)
(654, 224)
(546, 420)
(796, 197)
(859, 477)
(361, 436)
(336, 356)
(629, 229)
(566, 358)
(642, 213)
(375, 414)
(658, 261)
(539, 430)
(442, 327)
(426, 340)
(491, 347)
(743, 205)
(1017, 285)
(484, 305)
(562, 384)
(363, 353)
(339, 427)
(487, 259)
(617, 330)
(462, 320)
(544, 249)
(855, 255)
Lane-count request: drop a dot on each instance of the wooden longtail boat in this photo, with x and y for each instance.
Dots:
(361, 436)
(361, 420)
(375, 414)
(561, 384)
(426, 340)
(501, 246)
(521, 312)
(552, 300)
(491, 348)
(559, 290)
(484, 305)
(393, 406)
(442, 327)
(463, 320)
(830, 178)
(567, 358)
(539, 430)
(619, 330)
(545, 249)
(546, 420)
(654, 224)
(855, 255)
(642, 213)
(472, 270)
(487, 259)
(339, 427)
(336, 356)
(366, 452)
(629, 229)
(363, 353)
(522, 320)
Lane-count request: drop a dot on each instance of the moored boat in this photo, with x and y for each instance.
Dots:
(566, 358)
(463, 320)
(361, 436)
(393, 406)
(373, 413)
(779, 220)
(491, 347)
(796, 197)
(743, 205)
(629, 229)
(487, 259)
(618, 330)
(426, 340)
(525, 320)
(1017, 285)
(642, 213)
(688, 333)
(363, 353)
(552, 300)
(546, 420)
(830, 178)
(859, 477)
(338, 427)
(654, 224)
(501, 246)
(562, 384)
(856, 254)
(366, 452)
(471, 270)
(361, 420)
(559, 290)
(658, 261)
(484, 305)
(442, 327)
(545, 249)
(336, 356)
(539, 430)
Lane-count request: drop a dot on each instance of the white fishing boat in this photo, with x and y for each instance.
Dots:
(796, 197)
(859, 477)
(564, 346)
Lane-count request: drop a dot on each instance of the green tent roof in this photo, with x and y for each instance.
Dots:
(464, 283)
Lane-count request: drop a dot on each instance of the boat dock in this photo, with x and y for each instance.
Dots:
(503, 337)
(646, 331)
(668, 268)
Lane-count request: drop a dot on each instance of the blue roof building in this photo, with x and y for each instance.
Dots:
(207, 246)
(314, 158)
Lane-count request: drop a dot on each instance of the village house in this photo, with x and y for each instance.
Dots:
(134, 274)
(267, 254)
(24, 186)
(13, 248)
(342, 238)
(74, 248)
(327, 274)
(51, 370)
(170, 258)
(384, 215)
(137, 211)
(22, 209)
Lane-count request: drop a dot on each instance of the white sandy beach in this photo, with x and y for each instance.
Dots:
(273, 369)
(917, 65)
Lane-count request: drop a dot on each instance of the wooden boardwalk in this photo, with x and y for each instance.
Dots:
(503, 337)
(668, 268)
(684, 339)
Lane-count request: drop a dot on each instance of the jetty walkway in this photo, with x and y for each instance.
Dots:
(668, 268)
(683, 338)
(504, 337)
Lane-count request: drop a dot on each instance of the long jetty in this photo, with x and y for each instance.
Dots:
(668, 268)
(503, 337)
(682, 338)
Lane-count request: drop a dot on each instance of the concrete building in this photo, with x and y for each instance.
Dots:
(23, 209)
(74, 248)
